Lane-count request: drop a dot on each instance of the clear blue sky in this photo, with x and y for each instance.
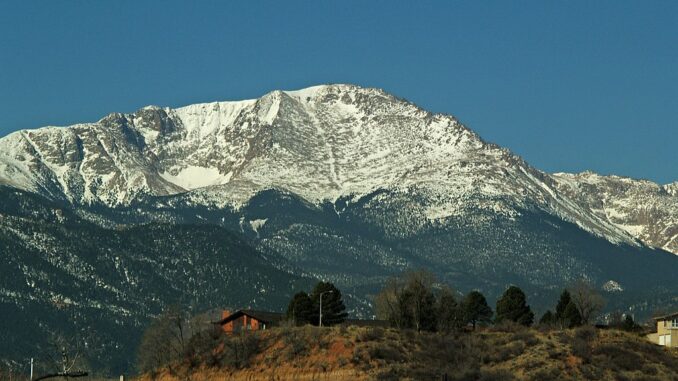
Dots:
(568, 85)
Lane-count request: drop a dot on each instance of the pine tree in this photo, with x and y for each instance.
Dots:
(334, 310)
(512, 306)
(628, 324)
(571, 316)
(564, 300)
(300, 309)
(476, 308)
(548, 318)
(567, 315)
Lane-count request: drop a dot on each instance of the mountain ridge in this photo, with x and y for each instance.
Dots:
(104, 224)
(322, 143)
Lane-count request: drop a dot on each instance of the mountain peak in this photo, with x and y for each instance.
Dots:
(672, 188)
(321, 143)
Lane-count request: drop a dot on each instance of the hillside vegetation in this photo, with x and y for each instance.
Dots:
(506, 352)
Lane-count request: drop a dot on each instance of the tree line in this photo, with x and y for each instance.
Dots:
(304, 308)
(415, 300)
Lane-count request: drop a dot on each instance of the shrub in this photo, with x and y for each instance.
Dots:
(201, 348)
(360, 356)
(295, 343)
(390, 374)
(468, 373)
(592, 372)
(650, 369)
(315, 336)
(531, 363)
(619, 358)
(547, 373)
(385, 351)
(527, 337)
(586, 333)
(342, 361)
(496, 375)
(645, 377)
(370, 334)
(582, 349)
(409, 334)
(554, 353)
(506, 352)
(322, 366)
(581, 342)
(239, 349)
(508, 326)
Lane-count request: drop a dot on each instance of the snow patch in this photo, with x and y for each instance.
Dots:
(258, 224)
(193, 177)
(612, 286)
(309, 92)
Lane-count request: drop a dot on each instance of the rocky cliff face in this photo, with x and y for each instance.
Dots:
(645, 210)
(321, 143)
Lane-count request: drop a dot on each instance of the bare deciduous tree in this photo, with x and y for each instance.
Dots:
(388, 302)
(65, 355)
(164, 341)
(587, 300)
(449, 311)
(420, 301)
(408, 301)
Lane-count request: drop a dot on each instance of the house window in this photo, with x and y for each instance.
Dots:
(674, 323)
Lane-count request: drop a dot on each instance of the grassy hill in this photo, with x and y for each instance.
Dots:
(503, 353)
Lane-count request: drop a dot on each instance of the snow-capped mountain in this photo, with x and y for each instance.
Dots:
(322, 144)
(102, 224)
(646, 210)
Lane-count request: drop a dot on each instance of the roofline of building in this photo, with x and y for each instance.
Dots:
(250, 313)
(675, 314)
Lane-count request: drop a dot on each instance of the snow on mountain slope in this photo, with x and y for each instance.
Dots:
(321, 143)
(646, 210)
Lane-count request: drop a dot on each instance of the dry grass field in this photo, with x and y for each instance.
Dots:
(352, 353)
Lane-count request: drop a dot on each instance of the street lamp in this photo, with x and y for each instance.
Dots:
(321, 305)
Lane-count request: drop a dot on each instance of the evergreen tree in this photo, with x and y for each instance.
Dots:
(628, 324)
(476, 309)
(548, 318)
(334, 310)
(571, 316)
(300, 309)
(512, 306)
(567, 315)
(564, 300)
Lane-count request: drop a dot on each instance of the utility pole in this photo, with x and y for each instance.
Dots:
(321, 305)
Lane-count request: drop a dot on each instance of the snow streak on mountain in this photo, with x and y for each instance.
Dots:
(242, 204)
(323, 144)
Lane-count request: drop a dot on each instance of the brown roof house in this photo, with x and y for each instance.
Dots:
(667, 331)
(248, 320)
